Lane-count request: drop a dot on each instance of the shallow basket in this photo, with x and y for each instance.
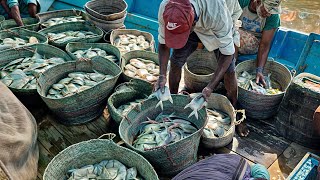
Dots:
(73, 26)
(22, 33)
(74, 46)
(60, 13)
(95, 151)
(259, 106)
(29, 23)
(108, 10)
(149, 37)
(83, 106)
(199, 70)
(170, 159)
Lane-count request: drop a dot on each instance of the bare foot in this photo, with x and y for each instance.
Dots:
(242, 130)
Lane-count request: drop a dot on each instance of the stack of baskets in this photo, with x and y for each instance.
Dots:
(107, 14)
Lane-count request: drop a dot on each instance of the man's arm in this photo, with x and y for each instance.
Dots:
(15, 14)
(32, 9)
(5, 6)
(164, 53)
(264, 48)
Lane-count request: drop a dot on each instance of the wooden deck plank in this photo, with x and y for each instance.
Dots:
(44, 159)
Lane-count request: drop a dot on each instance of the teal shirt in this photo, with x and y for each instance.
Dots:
(272, 22)
(23, 6)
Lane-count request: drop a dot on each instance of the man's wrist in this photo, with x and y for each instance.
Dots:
(259, 70)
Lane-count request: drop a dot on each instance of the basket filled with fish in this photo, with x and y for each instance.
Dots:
(29, 23)
(168, 136)
(108, 10)
(140, 65)
(220, 128)
(61, 34)
(52, 18)
(120, 102)
(259, 101)
(77, 91)
(99, 159)
(13, 38)
(89, 50)
(130, 39)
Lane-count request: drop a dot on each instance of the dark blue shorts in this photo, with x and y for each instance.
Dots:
(179, 56)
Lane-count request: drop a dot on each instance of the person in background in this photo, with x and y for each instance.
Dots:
(260, 19)
(16, 9)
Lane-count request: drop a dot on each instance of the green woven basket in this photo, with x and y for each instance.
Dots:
(95, 151)
(110, 49)
(173, 158)
(2, 18)
(23, 34)
(29, 23)
(86, 105)
(73, 26)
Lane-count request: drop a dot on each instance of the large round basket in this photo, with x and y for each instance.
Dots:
(83, 106)
(23, 34)
(259, 106)
(108, 10)
(170, 159)
(137, 54)
(107, 25)
(29, 23)
(45, 16)
(73, 26)
(74, 46)
(149, 37)
(199, 70)
(95, 151)
(30, 96)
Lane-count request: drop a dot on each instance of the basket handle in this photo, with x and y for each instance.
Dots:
(293, 73)
(243, 112)
(110, 136)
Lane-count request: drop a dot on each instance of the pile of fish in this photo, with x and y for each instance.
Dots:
(92, 52)
(60, 20)
(165, 129)
(107, 169)
(125, 108)
(247, 81)
(70, 36)
(130, 42)
(142, 69)
(75, 83)
(218, 124)
(21, 73)
(17, 42)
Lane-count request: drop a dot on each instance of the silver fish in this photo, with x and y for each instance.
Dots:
(196, 104)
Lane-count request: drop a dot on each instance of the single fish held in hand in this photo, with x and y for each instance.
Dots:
(196, 104)
(166, 96)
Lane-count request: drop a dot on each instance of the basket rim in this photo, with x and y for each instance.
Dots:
(86, 7)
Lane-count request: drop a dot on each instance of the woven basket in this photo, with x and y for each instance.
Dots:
(29, 23)
(108, 10)
(107, 25)
(4, 174)
(173, 158)
(199, 70)
(22, 33)
(2, 18)
(73, 26)
(259, 106)
(107, 34)
(137, 54)
(74, 46)
(60, 13)
(95, 151)
(134, 91)
(86, 105)
(115, 33)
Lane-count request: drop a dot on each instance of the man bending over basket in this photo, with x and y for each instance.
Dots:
(184, 23)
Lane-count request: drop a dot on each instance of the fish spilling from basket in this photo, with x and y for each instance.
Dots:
(93, 52)
(15, 42)
(218, 124)
(196, 104)
(70, 36)
(142, 69)
(165, 129)
(21, 73)
(107, 169)
(125, 108)
(76, 82)
(61, 20)
(130, 42)
(247, 81)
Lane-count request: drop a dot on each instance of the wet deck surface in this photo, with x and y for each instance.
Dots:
(263, 145)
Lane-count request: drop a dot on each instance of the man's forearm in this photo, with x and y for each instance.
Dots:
(262, 55)
(5, 6)
(15, 13)
(164, 53)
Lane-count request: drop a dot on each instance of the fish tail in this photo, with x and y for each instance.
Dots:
(192, 113)
(196, 114)
(188, 105)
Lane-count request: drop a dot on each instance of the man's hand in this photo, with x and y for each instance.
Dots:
(161, 83)
(206, 92)
(260, 79)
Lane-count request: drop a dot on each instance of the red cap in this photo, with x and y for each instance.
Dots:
(178, 17)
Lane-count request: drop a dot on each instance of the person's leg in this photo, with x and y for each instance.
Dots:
(178, 59)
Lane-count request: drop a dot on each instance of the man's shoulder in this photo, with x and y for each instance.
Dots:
(244, 3)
